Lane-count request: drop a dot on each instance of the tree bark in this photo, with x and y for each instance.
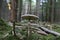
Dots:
(14, 13)
(49, 31)
(0, 7)
(20, 4)
(37, 7)
(46, 30)
(29, 7)
(13, 10)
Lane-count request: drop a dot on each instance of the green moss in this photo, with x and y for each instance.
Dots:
(4, 27)
(12, 38)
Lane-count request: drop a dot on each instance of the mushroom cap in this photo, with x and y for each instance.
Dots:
(30, 16)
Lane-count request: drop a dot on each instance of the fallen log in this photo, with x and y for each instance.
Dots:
(42, 32)
(49, 31)
(46, 30)
(39, 31)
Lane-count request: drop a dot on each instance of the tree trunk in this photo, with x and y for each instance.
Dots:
(14, 10)
(42, 11)
(54, 10)
(0, 7)
(37, 7)
(29, 7)
(20, 4)
(14, 13)
(50, 31)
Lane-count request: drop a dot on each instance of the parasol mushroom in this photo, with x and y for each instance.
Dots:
(29, 17)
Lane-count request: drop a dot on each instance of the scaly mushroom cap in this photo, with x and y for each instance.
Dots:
(30, 17)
